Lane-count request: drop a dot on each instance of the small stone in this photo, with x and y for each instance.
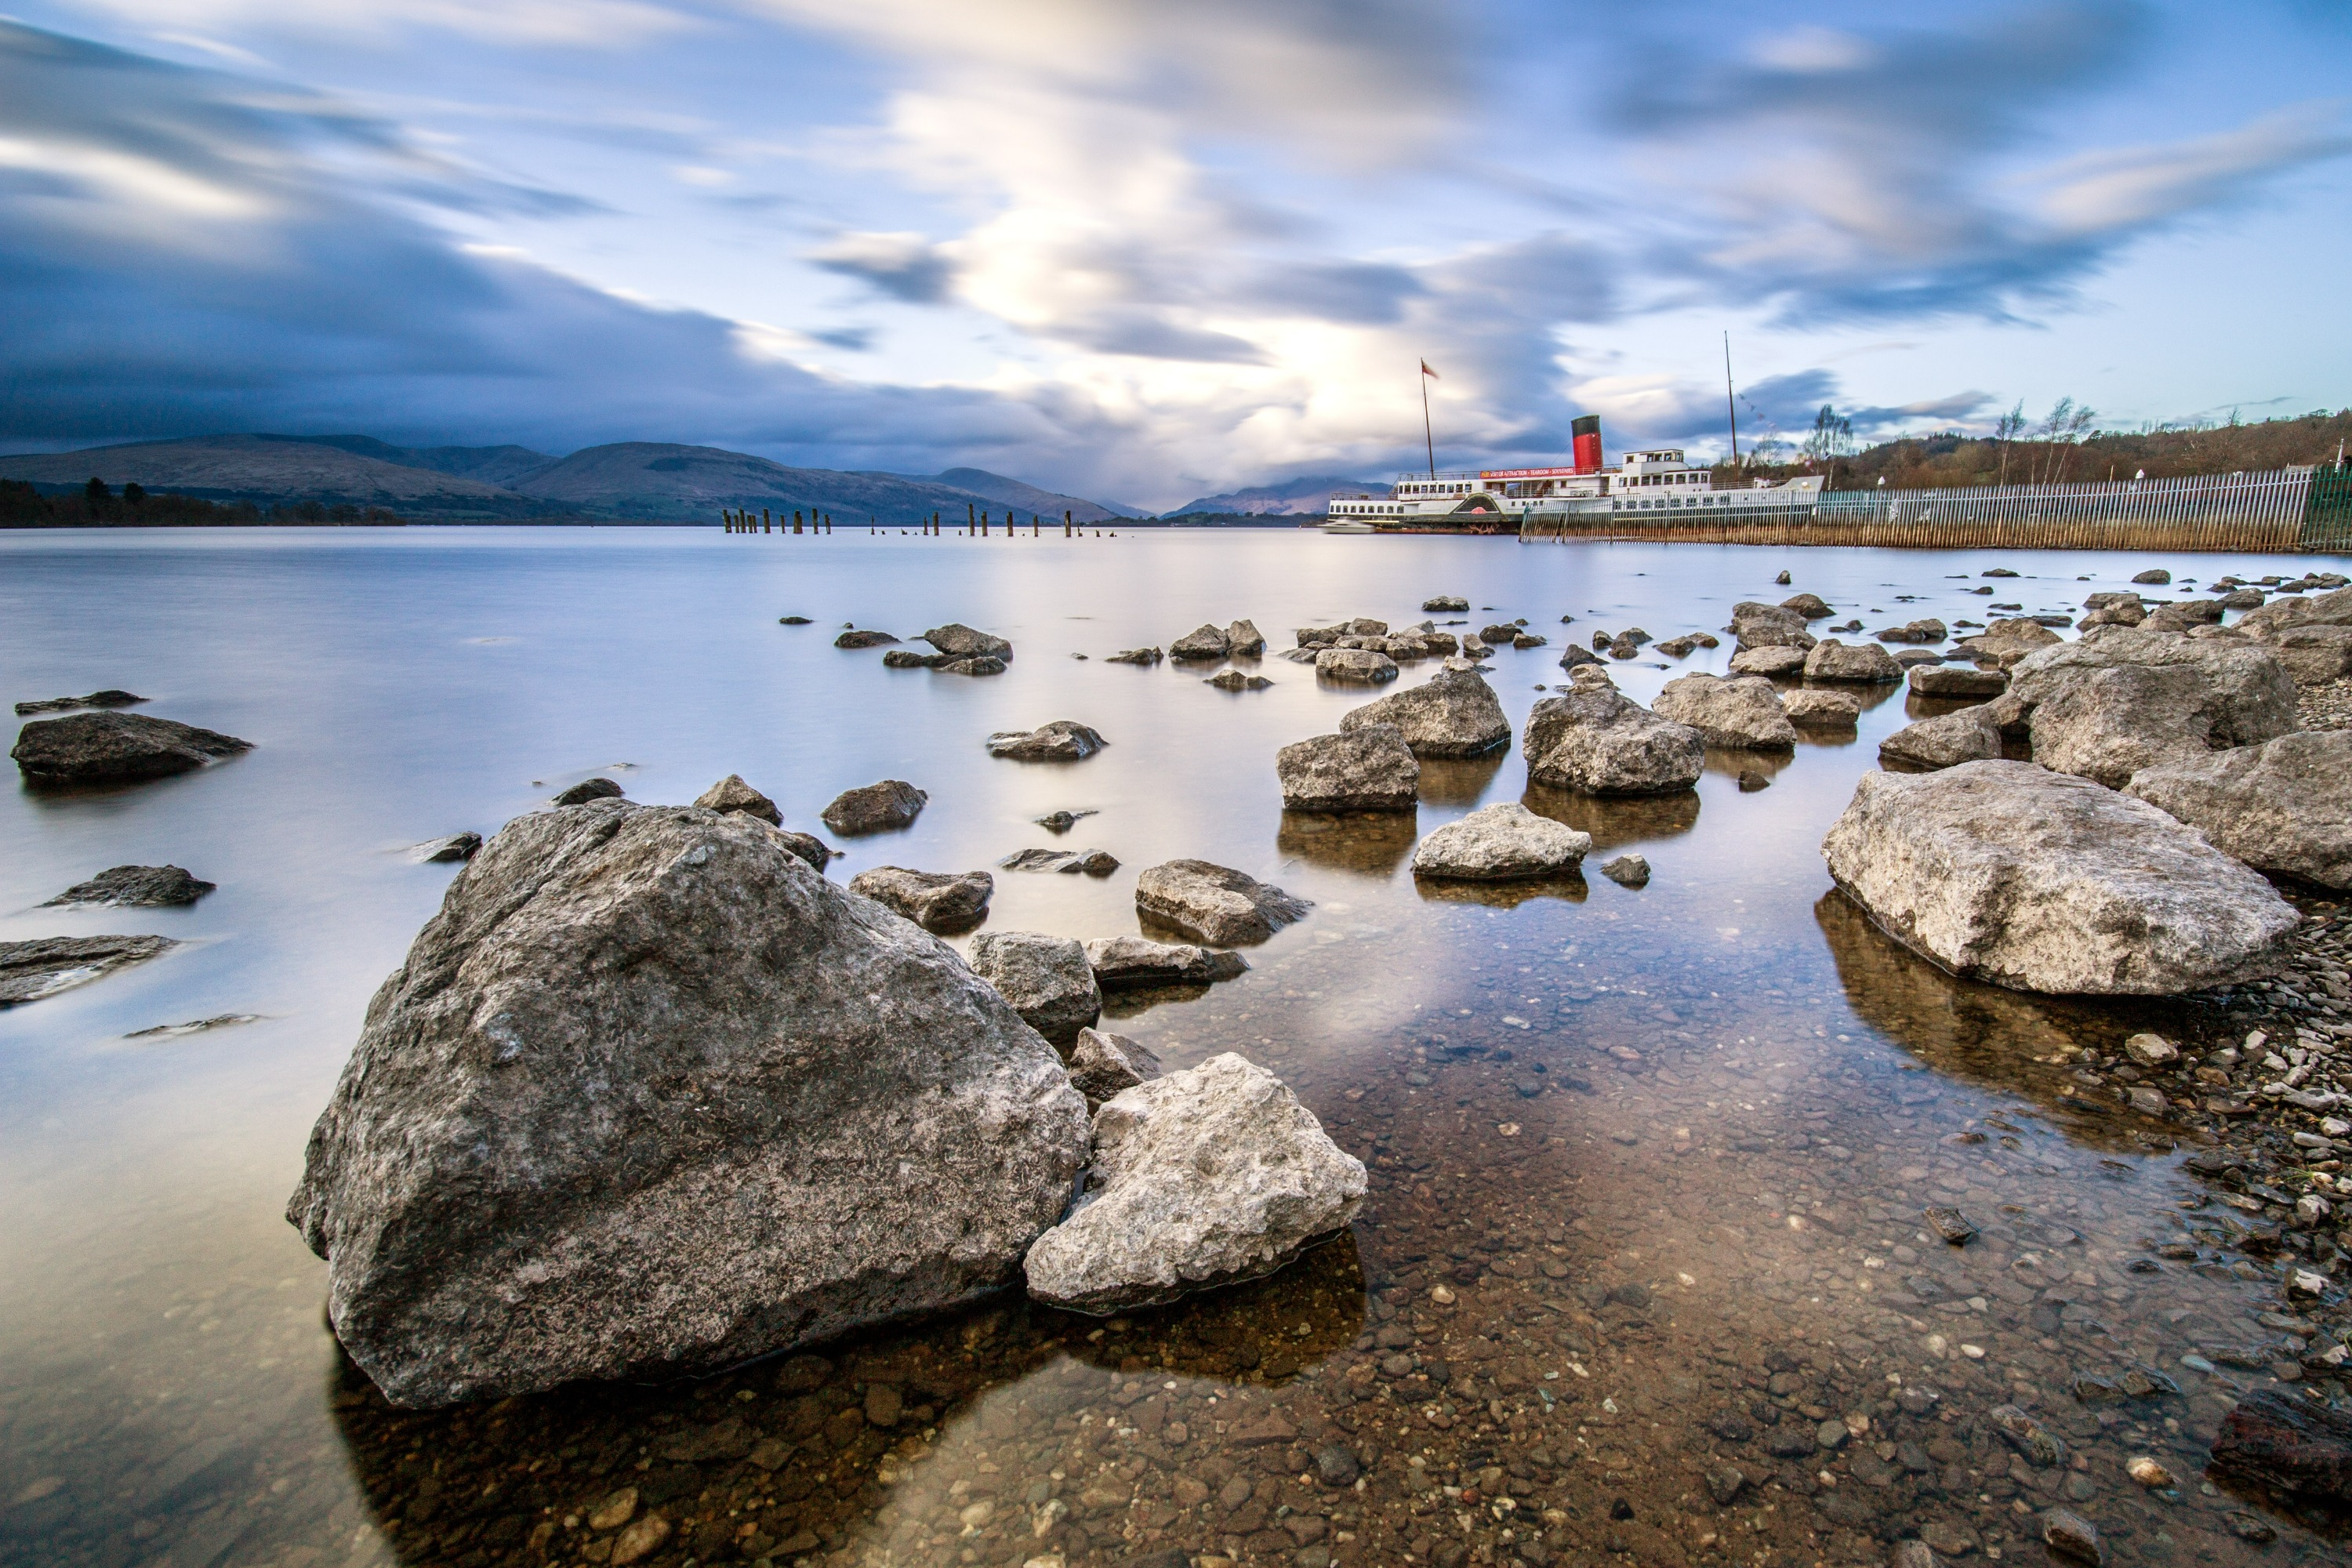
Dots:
(640, 1540)
(856, 639)
(791, 620)
(1336, 1465)
(2147, 1473)
(1628, 871)
(1750, 780)
(1724, 1483)
(2069, 1534)
(587, 790)
(2249, 1527)
(1063, 740)
(614, 1511)
(1912, 1555)
(883, 1405)
(1951, 1224)
(2151, 1050)
(1831, 1434)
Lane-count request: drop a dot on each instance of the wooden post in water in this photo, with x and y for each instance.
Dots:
(1066, 525)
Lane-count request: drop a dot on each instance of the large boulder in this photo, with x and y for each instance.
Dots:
(1814, 708)
(1812, 606)
(1453, 714)
(1959, 680)
(116, 748)
(1757, 624)
(1500, 843)
(1201, 642)
(1046, 979)
(1243, 640)
(1356, 664)
(1063, 740)
(1744, 711)
(1203, 1177)
(2285, 807)
(1104, 1066)
(48, 964)
(875, 807)
(2009, 873)
(2314, 652)
(1597, 741)
(1945, 741)
(1865, 664)
(648, 1096)
(1214, 903)
(2318, 610)
(2126, 698)
(1368, 768)
(1773, 658)
(1138, 962)
(956, 640)
(2007, 641)
(943, 901)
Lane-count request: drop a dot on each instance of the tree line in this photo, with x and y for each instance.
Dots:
(25, 505)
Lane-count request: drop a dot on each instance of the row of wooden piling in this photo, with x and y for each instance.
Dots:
(977, 523)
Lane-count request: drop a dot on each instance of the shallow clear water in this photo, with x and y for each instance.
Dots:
(1723, 1098)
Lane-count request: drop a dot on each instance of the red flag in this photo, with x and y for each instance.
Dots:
(1429, 372)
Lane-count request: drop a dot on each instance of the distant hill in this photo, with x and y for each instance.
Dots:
(1025, 497)
(655, 481)
(273, 468)
(1290, 498)
(490, 465)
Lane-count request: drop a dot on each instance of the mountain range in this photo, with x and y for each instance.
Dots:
(638, 481)
(1291, 497)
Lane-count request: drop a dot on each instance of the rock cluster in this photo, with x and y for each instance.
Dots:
(1596, 740)
(2122, 699)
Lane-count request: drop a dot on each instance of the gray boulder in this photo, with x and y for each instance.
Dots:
(1446, 602)
(2314, 652)
(1500, 843)
(1865, 664)
(650, 1096)
(1214, 903)
(46, 965)
(2319, 610)
(1204, 1177)
(1368, 768)
(1815, 709)
(116, 748)
(1201, 642)
(136, 887)
(1812, 606)
(1774, 658)
(2123, 699)
(1138, 962)
(1944, 742)
(731, 794)
(2009, 873)
(1355, 664)
(854, 639)
(875, 807)
(1046, 979)
(2285, 807)
(1455, 713)
(1958, 680)
(1104, 1066)
(2007, 641)
(936, 901)
(959, 641)
(1596, 740)
(1757, 624)
(1744, 711)
(1243, 640)
(1063, 740)
(587, 790)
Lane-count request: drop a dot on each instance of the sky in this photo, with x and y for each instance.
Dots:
(1142, 251)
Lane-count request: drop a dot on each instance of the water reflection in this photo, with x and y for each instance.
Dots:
(1371, 842)
(1509, 895)
(1614, 820)
(1459, 781)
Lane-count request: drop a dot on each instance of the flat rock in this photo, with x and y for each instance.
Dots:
(46, 965)
(2036, 880)
(1500, 843)
(1355, 664)
(1202, 1178)
(1214, 903)
(908, 659)
(960, 641)
(1455, 713)
(1368, 768)
(2313, 654)
(442, 851)
(731, 794)
(1816, 710)
(1135, 655)
(946, 901)
(1861, 663)
(1138, 962)
(857, 639)
(1104, 1066)
(1773, 658)
(1234, 680)
(1445, 602)
(875, 807)
(1596, 740)
(1046, 979)
(1201, 643)
(649, 1096)
(110, 698)
(1958, 680)
(2284, 807)
(1945, 741)
(136, 887)
(1063, 740)
(976, 664)
(114, 748)
(1744, 711)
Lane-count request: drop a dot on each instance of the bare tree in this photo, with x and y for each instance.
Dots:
(2006, 429)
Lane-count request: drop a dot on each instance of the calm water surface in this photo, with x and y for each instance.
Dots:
(1647, 1166)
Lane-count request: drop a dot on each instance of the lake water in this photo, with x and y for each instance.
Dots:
(1647, 1166)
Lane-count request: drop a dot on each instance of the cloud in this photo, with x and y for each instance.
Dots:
(904, 266)
(591, 24)
(2133, 188)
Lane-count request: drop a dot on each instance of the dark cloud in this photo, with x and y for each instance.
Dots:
(1364, 293)
(903, 266)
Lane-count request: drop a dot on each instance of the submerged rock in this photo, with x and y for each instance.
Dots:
(1138, 962)
(1445, 602)
(1865, 664)
(1135, 655)
(1744, 711)
(650, 1096)
(1104, 1065)
(442, 851)
(113, 748)
(978, 663)
(1505, 842)
(1206, 1177)
(110, 698)
(856, 639)
(946, 901)
(137, 886)
(1046, 979)
(1063, 740)
(1945, 741)
(1234, 680)
(46, 965)
(1355, 664)
(908, 659)
(1368, 768)
(2285, 807)
(960, 641)
(2009, 873)
(2291, 1445)
(1597, 739)
(731, 794)
(875, 807)
(1916, 632)
(587, 790)
(1455, 713)
(1214, 903)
